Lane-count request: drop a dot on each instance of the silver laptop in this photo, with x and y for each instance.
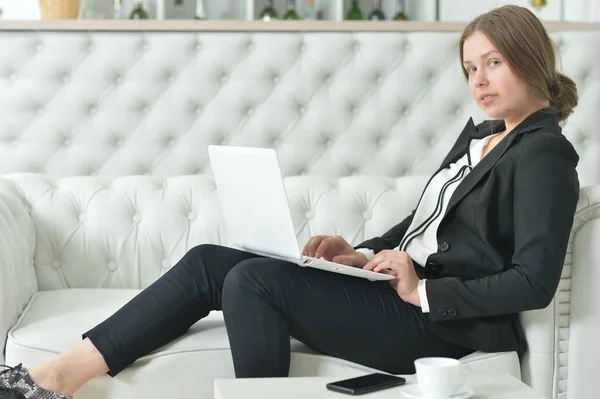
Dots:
(256, 209)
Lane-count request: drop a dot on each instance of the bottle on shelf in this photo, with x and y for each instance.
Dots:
(291, 11)
(117, 9)
(400, 11)
(138, 11)
(200, 14)
(310, 13)
(376, 13)
(538, 4)
(355, 13)
(268, 12)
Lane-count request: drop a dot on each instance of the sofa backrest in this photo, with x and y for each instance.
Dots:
(385, 103)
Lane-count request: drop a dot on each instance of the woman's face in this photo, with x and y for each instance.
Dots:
(498, 90)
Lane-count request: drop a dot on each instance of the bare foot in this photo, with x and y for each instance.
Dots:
(50, 380)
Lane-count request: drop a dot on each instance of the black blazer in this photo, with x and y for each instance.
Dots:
(503, 239)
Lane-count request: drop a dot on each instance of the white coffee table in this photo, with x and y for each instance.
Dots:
(488, 386)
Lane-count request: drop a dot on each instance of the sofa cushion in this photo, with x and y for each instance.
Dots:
(55, 320)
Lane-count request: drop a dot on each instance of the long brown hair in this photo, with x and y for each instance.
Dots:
(530, 51)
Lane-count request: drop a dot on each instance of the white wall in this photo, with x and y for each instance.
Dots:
(466, 10)
(20, 9)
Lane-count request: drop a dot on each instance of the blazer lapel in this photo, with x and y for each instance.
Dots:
(480, 170)
(532, 123)
(456, 152)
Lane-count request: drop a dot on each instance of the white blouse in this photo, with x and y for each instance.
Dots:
(420, 240)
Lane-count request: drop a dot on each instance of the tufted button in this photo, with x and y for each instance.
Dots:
(328, 142)
(354, 110)
(405, 110)
(275, 141)
(65, 78)
(223, 77)
(432, 141)
(56, 264)
(119, 143)
(39, 46)
(198, 46)
(66, 142)
(355, 47)
(40, 110)
(92, 110)
(404, 46)
(223, 141)
(14, 142)
(249, 111)
(431, 77)
(13, 76)
(82, 217)
(379, 78)
(451, 312)
(112, 266)
(327, 79)
(443, 246)
(457, 110)
(166, 263)
(381, 143)
(145, 45)
(310, 214)
(302, 47)
(367, 215)
(170, 78)
(301, 109)
(276, 78)
(442, 312)
(91, 46)
(145, 110)
(171, 142)
(136, 218)
(192, 216)
(118, 79)
(352, 171)
(197, 111)
(302, 172)
(250, 45)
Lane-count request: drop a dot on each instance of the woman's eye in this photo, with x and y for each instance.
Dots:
(494, 62)
(471, 69)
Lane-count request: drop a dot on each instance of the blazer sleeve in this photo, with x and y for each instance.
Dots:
(546, 191)
(391, 238)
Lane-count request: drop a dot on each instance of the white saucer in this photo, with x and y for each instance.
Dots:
(412, 391)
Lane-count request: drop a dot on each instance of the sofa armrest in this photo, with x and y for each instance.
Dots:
(578, 317)
(17, 275)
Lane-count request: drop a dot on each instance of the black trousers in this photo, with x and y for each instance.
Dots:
(264, 302)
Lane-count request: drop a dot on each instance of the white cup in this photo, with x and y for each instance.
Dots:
(439, 377)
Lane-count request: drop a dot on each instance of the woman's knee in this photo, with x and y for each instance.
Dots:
(252, 276)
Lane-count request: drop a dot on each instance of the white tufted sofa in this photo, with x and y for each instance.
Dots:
(106, 183)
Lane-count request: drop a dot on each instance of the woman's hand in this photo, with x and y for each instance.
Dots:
(334, 249)
(398, 264)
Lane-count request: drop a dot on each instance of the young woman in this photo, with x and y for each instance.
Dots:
(486, 241)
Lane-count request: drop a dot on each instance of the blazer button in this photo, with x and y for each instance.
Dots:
(442, 312)
(444, 246)
(452, 313)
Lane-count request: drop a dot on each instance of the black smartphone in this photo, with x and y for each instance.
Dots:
(366, 383)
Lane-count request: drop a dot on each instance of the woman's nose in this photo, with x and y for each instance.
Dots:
(480, 80)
